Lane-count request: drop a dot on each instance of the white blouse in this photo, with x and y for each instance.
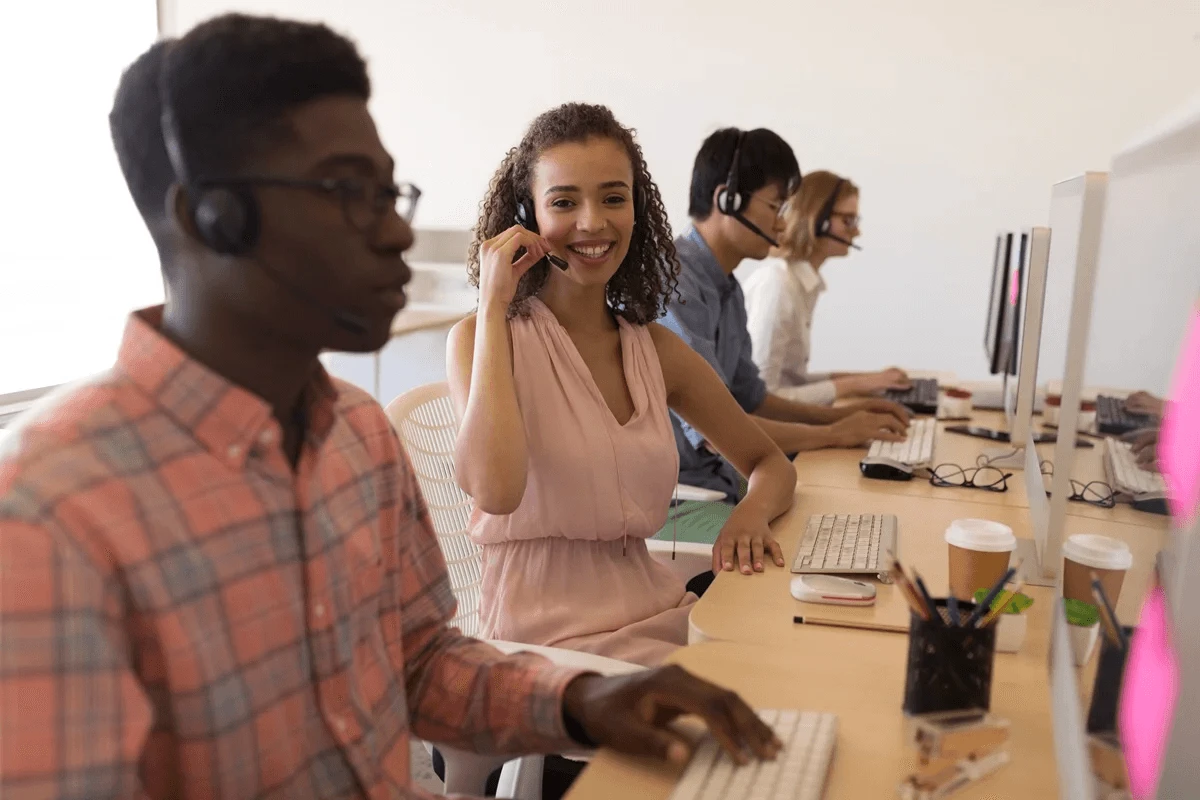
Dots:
(780, 300)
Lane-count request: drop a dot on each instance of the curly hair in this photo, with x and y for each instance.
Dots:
(646, 279)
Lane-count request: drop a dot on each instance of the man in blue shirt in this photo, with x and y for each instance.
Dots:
(740, 182)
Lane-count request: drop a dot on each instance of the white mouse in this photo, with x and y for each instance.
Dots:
(832, 590)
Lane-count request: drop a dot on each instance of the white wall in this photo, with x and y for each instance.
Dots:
(74, 255)
(955, 118)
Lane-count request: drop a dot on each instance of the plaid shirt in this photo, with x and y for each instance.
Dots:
(182, 615)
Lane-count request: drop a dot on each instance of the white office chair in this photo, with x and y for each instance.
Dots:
(424, 419)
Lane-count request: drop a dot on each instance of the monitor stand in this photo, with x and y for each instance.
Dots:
(1031, 564)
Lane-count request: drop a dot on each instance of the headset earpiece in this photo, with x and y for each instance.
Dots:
(526, 217)
(825, 216)
(227, 218)
(729, 199)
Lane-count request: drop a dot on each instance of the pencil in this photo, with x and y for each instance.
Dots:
(906, 589)
(995, 613)
(973, 620)
(1111, 623)
(927, 597)
(841, 623)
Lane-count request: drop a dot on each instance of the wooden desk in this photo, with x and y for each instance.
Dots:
(423, 316)
(839, 469)
(415, 317)
(860, 677)
(758, 609)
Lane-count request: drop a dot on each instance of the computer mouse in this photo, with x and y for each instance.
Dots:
(885, 469)
(832, 590)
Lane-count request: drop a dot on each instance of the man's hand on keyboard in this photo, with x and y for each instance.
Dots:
(743, 543)
(864, 426)
(1144, 403)
(878, 405)
(1144, 446)
(631, 713)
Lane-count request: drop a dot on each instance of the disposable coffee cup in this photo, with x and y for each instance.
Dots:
(1050, 410)
(980, 550)
(1085, 553)
(956, 403)
(1087, 416)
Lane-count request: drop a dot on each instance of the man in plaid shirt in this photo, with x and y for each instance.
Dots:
(217, 575)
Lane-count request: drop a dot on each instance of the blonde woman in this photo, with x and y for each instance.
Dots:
(821, 221)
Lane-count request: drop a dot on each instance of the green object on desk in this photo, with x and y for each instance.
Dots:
(1082, 614)
(1022, 602)
(695, 521)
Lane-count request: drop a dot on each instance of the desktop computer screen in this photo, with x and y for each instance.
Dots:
(1048, 529)
(1004, 357)
(1148, 273)
(999, 320)
(1013, 331)
(1027, 316)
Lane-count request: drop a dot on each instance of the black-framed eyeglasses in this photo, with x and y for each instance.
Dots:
(1096, 493)
(364, 201)
(987, 478)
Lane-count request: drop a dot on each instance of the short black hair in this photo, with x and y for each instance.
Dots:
(136, 128)
(228, 82)
(765, 159)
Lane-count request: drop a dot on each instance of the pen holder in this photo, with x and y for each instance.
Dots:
(949, 668)
(1106, 690)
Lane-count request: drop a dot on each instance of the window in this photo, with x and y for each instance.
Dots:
(74, 255)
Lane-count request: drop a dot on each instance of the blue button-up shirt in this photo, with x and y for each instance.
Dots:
(710, 315)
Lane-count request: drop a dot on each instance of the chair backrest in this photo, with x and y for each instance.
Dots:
(424, 420)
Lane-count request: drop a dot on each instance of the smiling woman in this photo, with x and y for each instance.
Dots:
(564, 386)
(638, 290)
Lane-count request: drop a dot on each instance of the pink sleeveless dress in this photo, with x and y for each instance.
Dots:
(569, 568)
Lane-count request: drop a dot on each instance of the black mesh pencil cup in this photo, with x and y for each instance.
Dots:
(949, 668)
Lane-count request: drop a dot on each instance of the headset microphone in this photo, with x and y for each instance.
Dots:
(837, 238)
(823, 223)
(754, 228)
(344, 319)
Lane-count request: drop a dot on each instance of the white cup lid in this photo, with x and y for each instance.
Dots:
(1098, 552)
(982, 535)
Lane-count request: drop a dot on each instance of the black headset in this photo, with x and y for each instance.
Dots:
(823, 222)
(731, 201)
(226, 216)
(228, 219)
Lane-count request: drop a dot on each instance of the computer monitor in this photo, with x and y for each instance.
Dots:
(1043, 554)
(1148, 274)
(999, 322)
(1013, 335)
(1026, 340)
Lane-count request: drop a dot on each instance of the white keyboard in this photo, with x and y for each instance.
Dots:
(797, 773)
(845, 543)
(1125, 474)
(915, 451)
